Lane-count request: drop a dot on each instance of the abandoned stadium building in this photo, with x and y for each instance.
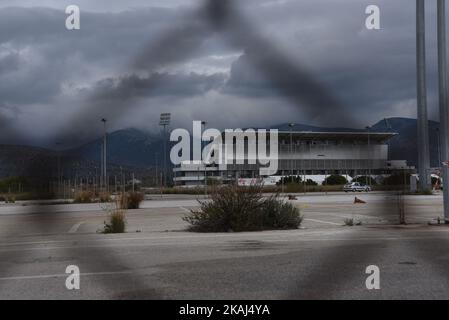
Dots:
(311, 155)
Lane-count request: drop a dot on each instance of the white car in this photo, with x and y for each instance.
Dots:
(356, 187)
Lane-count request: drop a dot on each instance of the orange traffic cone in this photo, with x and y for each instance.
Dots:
(357, 200)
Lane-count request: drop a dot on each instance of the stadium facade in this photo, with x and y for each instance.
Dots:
(306, 153)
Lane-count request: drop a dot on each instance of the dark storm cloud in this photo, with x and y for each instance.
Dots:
(312, 61)
(157, 84)
(9, 63)
(341, 71)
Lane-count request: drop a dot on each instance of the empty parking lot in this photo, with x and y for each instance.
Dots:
(157, 258)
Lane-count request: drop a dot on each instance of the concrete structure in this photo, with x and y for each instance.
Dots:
(310, 154)
(443, 100)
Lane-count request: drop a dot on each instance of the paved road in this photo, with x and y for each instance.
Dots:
(158, 259)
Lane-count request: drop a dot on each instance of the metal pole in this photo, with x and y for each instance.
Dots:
(291, 148)
(133, 181)
(443, 97)
(105, 174)
(165, 156)
(368, 180)
(422, 121)
(203, 123)
(439, 147)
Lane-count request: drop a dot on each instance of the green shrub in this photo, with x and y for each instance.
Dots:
(117, 222)
(104, 197)
(237, 208)
(13, 184)
(130, 200)
(335, 179)
(84, 197)
(278, 214)
(10, 199)
(397, 179)
(365, 180)
(289, 179)
(310, 182)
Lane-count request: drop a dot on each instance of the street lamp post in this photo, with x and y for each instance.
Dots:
(203, 124)
(291, 125)
(438, 147)
(59, 168)
(104, 173)
(164, 122)
(368, 180)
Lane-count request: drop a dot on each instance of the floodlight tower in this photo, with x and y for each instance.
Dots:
(165, 122)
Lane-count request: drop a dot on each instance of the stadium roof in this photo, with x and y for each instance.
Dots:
(379, 136)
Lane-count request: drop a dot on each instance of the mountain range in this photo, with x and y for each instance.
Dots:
(140, 150)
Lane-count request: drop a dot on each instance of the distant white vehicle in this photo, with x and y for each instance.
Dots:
(356, 187)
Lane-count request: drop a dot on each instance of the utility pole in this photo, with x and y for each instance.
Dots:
(164, 122)
(203, 124)
(133, 181)
(291, 125)
(156, 179)
(59, 168)
(104, 173)
(423, 131)
(368, 178)
(389, 128)
(443, 99)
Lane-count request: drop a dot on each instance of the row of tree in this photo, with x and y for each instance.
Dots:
(335, 179)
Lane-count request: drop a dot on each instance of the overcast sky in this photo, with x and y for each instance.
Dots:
(255, 63)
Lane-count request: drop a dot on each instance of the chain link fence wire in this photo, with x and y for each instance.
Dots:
(311, 98)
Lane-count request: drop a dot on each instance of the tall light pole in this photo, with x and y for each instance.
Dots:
(443, 99)
(389, 128)
(203, 124)
(59, 168)
(104, 173)
(439, 147)
(422, 121)
(164, 122)
(368, 178)
(291, 125)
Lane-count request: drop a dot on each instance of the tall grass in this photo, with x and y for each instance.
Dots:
(116, 218)
(84, 197)
(237, 208)
(130, 200)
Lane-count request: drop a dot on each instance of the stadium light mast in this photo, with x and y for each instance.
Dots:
(164, 122)
(443, 102)
(422, 121)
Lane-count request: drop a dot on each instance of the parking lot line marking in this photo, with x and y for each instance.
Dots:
(326, 222)
(61, 275)
(75, 227)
